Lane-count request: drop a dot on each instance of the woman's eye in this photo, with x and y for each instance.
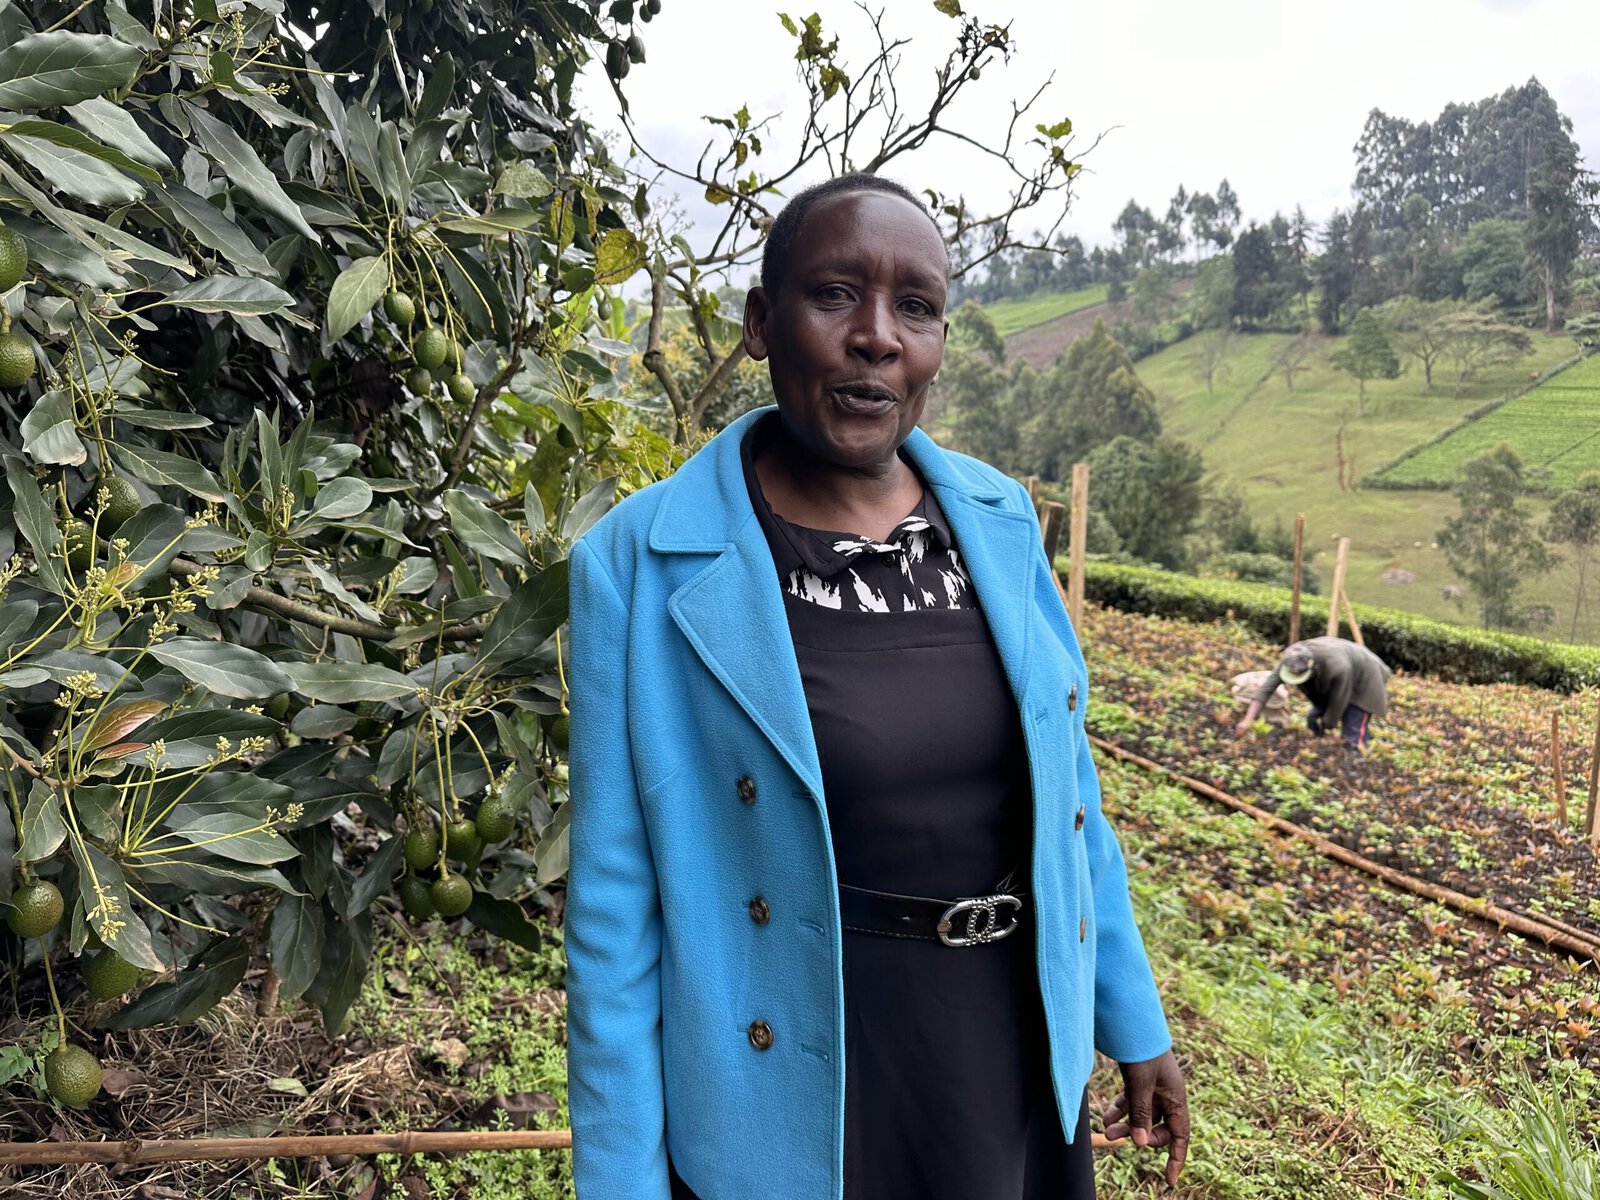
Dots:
(833, 293)
(917, 308)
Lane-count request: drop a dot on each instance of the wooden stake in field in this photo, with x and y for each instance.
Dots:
(1350, 615)
(1556, 765)
(1299, 570)
(1078, 548)
(1338, 587)
(1033, 488)
(1052, 517)
(1591, 817)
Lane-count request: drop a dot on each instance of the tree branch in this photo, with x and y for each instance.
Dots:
(716, 381)
(655, 359)
(281, 606)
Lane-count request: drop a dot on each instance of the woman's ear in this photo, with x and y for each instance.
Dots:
(756, 312)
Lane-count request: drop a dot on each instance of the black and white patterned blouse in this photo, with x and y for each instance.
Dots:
(915, 568)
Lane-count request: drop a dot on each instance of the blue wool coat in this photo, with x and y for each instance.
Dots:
(696, 788)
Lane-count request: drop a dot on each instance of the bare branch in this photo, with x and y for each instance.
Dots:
(716, 381)
(655, 359)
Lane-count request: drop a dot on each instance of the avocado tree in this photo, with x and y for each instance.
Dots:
(307, 385)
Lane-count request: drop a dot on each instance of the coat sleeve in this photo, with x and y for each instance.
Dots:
(613, 923)
(1129, 1024)
(1269, 685)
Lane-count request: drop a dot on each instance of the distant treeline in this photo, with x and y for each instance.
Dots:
(1489, 202)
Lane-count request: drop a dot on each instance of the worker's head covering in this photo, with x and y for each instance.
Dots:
(1295, 665)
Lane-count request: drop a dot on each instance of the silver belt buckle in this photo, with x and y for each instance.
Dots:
(982, 918)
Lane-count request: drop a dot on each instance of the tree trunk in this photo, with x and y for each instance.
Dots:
(1361, 398)
(1549, 280)
(1577, 601)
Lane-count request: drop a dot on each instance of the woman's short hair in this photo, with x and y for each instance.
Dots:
(785, 229)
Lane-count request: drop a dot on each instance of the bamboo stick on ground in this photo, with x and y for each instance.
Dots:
(1556, 765)
(1591, 818)
(1575, 942)
(134, 1151)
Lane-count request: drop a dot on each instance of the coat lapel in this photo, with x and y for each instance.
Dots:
(732, 611)
(998, 549)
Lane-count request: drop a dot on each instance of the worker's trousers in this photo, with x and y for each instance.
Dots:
(1357, 723)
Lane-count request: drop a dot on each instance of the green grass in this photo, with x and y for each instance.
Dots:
(435, 988)
(1013, 316)
(1299, 1087)
(1281, 449)
(1296, 1089)
(1554, 428)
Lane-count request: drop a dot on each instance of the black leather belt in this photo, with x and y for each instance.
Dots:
(967, 921)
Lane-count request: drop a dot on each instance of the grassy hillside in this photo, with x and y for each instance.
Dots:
(1555, 428)
(1282, 449)
(1012, 316)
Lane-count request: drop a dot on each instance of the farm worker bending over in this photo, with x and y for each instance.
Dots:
(1347, 685)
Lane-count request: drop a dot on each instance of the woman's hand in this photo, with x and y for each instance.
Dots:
(1153, 1109)
(1250, 715)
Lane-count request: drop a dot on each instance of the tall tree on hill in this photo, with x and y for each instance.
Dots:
(1585, 330)
(972, 387)
(1292, 355)
(1203, 220)
(1152, 293)
(1492, 543)
(1210, 357)
(1574, 521)
(1298, 247)
(1474, 339)
(1150, 493)
(1560, 213)
(1074, 270)
(1344, 269)
(1419, 329)
(1137, 230)
(1392, 162)
(1228, 212)
(1493, 258)
(1089, 397)
(1422, 249)
(1172, 227)
(1259, 292)
(1211, 303)
(1366, 354)
(1473, 161)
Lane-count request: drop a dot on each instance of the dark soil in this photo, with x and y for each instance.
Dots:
(1454, 792)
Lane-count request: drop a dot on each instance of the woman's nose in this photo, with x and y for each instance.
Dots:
(873, 335)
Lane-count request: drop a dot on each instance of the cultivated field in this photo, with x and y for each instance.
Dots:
(1013, 316)
(1554, 428)
(1283, 450)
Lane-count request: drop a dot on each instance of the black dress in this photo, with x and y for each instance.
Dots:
(924, 770)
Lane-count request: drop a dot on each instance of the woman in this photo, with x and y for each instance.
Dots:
(845, 919)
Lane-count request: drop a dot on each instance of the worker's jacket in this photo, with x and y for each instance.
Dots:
(1344, 674)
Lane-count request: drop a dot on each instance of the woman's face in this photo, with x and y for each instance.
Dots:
(856, 329)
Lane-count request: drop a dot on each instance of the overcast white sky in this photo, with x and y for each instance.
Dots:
(1271, 94)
